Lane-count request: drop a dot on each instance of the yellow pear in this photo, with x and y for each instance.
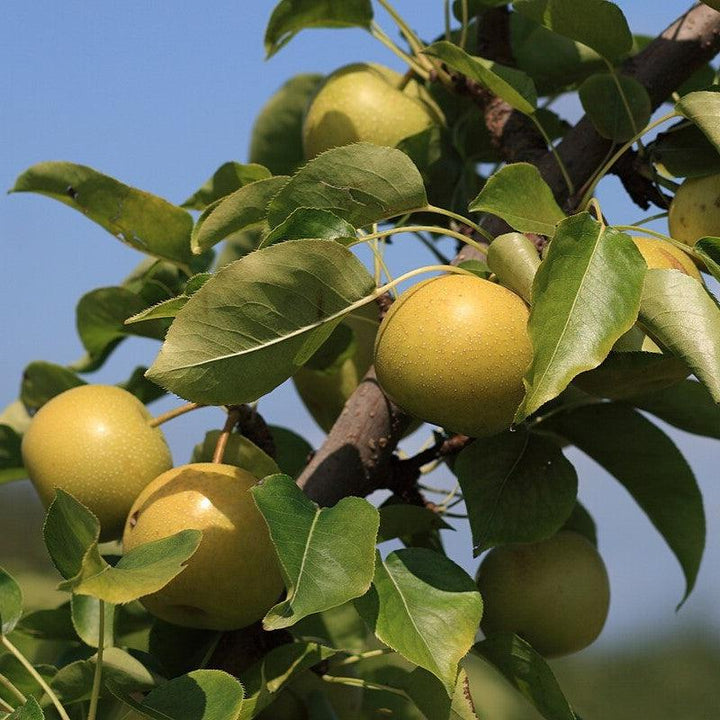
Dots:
(695, 210)
(662, 255)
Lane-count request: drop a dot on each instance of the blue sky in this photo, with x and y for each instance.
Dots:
(159, 94)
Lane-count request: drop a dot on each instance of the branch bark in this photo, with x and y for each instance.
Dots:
(357, 453)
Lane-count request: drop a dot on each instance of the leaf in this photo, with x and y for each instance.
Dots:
(327, 556)
(42, 381)
(708, 248)
(30, 710)
(581, 522)
(143, 221)
(517, 487)
(263, 680)
(426, 691)
(292, 452)
(239, 451)
(179, 650)
(518, 194)
(85, 613)
(228, 178)
(312, 223)
(276, 139)
(244, 209)
(170, 308)
(142, 388)
(528, 672)
(677, 312)
(513, 86)
(16, 417)
(651, 469)
(586, 294)
(257, 320)
(74, 681)
(11, 462)
(361, 183)
(618, 113)
(11, 603)
(199, 695)
(515, 261)
(703, 109)
(405, 521)
(686, 405)
(291, 16)
(598, 24)
(424, 607)
(55, 624)
(685, 151)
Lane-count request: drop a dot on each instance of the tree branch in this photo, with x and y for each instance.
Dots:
(357, 453)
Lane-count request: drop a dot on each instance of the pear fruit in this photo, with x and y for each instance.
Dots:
(695, 210)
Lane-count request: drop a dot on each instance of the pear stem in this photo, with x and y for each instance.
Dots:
(95, 696)
(360, 683)
(175, 412)
(230, 423)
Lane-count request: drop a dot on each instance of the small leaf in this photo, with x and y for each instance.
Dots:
(652, 470)
(73, 682)
(42, 381)
(327, 555)
(703, 108)
(685, 151)
(143, 221)
(424, 607)
(30, 710)
(581, 522)
(143, 389)
(55, 624)
(85, 612)
(677, 312)
(257, 320)
(292, 451)
(618, 113)
(586, 294)
(528, 672)
(178, 650)
(291, 16)
(404, 521)
(244, 209)
(515, 261)
(11, 462)
(517, 487)
(276, 139)
(312, 223)
(170, 308)
(518, 194)
(708, 248)
(11, 603)
(686, 405)
(361, 183)
(239, 451)
(599, 24)
(228, 178)
(427, 692)
(199, 695)
(513, 86)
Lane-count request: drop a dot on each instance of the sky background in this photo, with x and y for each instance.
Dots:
(158, 95)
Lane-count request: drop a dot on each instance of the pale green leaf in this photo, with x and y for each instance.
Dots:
(312, 223)
(11, 602)
(327, 556)
(258, 319)
(143, 221)
(361, 183)
(29, 711)
(586, 294)
(703, 108)
(515, 260)
(518, 194)
(85, 614)
(170, 308)
(677, 312)
(517, 487)
(228, 178)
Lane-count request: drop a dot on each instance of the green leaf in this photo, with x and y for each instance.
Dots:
(85, 613)
(244, 209)
(16, 417)
(427, 693)
(179, 650)
(292, 452)
(170, 308)
(73, 682)
(703, 108)
(29, 711)
(518, 194)
(708, 248)
(143, 221)
(361, 183)
(685, 151)
(513, 86)
(598, 24)
(618, 113)
(580, 521)
(528, 672)
(11, 462)
(276, 139)
(327, 556)
(586, 294)
(424, 607)
(686, 405)
(312, 223)
(517, 487)
(228, 178)
(11, 603)
(199, 695)
(258, 320)
(651, 469)
(268, 676)
(403, 521)
(55, 624)
(515, 261)
(239, 451)
(143, 389)
(291, 16)
(42, 381)
(677, 312)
